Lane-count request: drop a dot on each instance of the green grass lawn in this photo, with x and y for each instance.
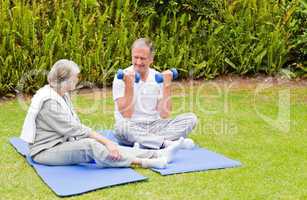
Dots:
(273, 154)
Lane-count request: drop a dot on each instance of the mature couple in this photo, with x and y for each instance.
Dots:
(142, 110)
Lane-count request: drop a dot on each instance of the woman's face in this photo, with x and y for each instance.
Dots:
(73, 81)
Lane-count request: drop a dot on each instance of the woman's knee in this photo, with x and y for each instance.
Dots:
(94, 145)
(88, 141)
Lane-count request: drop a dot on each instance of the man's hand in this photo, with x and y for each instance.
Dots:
(129, 78)
(167, 76)
(113, 151)
(164, 106)
(125, 104)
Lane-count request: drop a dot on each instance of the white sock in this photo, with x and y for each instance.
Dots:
(186, 144)
(136, 145)
(170, 151)
(159, 163)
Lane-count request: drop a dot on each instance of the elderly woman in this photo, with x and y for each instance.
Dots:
(57, 137)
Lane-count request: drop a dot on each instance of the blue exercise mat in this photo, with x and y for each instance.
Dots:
(77, 179)
(197, 159)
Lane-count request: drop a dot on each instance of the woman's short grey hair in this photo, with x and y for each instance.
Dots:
(61, 72)
(144, 42)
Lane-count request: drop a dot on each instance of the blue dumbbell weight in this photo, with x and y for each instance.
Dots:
(121, 74)
(159, 77)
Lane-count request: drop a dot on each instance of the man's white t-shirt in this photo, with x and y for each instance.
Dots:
(146, 95)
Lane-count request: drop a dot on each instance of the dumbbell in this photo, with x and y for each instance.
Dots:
(159, 77)
(121, 74)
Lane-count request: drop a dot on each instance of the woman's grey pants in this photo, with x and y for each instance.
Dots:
(151, 134)
(87, 150)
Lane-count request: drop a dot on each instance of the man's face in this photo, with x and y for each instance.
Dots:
(141, 59)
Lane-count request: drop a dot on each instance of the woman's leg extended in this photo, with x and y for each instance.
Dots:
(81, 151)
(86, 150)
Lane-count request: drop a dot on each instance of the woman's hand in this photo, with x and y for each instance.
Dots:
(111, 147)
(113, 151)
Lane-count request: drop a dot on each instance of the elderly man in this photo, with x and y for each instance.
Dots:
(142, 109)
(57, 137)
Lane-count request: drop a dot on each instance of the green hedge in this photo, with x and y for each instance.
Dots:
(203, 39)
